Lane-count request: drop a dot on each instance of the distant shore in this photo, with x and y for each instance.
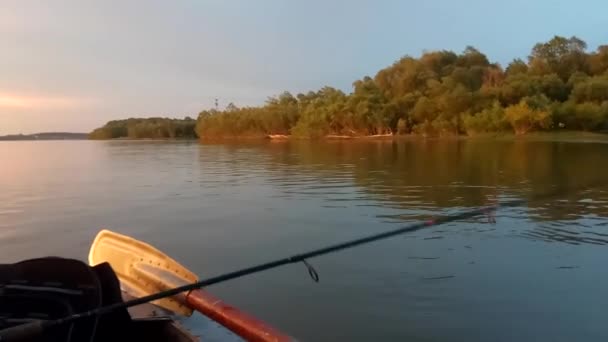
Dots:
(45, 136)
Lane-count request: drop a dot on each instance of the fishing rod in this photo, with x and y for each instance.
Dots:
(28, 330)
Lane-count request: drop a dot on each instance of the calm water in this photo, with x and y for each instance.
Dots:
(539, 273)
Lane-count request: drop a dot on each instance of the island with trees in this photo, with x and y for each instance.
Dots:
(561, 86)
(147, 128)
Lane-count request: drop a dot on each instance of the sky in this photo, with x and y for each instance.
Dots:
(73, 65)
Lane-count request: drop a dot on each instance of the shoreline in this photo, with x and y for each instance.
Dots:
(558, 135)
(482, 136)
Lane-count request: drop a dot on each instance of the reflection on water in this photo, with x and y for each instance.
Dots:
(217, 207)
(565, 183)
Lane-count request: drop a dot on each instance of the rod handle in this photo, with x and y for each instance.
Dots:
(23, 332)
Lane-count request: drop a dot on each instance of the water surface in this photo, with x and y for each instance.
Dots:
(539, 273)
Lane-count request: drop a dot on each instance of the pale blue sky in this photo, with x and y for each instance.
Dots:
(73, 65)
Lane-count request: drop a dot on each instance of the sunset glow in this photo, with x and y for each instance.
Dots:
(9, 101)
(13, 101)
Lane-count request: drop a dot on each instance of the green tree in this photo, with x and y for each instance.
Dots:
(517, 66)
(518, 86)
(554, 88)
(598, 61)
(563, 56)
(524, 118)
(591, 116)
(488, 120)
(592, 89)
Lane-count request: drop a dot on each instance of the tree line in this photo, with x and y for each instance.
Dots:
(441, 93)
(153, 128)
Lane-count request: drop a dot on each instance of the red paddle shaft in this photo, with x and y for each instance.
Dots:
(240, 323)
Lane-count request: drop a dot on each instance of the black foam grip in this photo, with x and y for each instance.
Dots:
(23, 332)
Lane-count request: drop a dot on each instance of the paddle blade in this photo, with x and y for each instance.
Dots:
(142, 269)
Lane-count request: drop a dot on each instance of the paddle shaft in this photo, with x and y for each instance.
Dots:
(242, 324)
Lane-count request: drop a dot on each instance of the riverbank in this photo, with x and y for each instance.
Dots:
(565, 136)
(533, 136)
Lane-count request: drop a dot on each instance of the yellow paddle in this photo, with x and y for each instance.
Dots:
(144, 270)
(141, 268)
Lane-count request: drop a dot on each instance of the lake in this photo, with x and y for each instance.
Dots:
(537, 274)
